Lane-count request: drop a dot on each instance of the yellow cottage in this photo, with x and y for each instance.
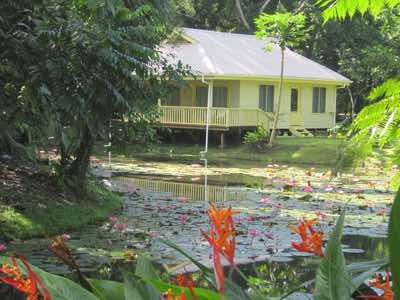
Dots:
(239, 82)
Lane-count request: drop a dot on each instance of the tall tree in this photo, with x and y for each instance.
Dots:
(89, 62)
(285, 30)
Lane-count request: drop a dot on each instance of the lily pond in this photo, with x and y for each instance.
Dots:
(170, 199)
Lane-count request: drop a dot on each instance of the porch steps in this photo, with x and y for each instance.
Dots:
(300, 131)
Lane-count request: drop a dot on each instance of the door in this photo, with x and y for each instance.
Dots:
(220, 96)
(296, 117)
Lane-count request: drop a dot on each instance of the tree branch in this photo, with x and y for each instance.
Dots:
(301, 6)
(241, 14)
(262, 8)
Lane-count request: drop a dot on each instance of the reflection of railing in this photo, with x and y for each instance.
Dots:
(219, 117)
(193, 192)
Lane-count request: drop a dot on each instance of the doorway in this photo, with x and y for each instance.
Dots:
(296, 118)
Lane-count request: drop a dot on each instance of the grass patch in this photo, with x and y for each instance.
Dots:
(291, 150)
(35, 208)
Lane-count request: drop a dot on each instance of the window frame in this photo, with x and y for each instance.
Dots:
(198, 88)
(226, 92)
(205, 91)
(321, 98)
(297, 100)
(266, 97)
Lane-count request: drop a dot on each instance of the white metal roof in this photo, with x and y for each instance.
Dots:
(224, 54)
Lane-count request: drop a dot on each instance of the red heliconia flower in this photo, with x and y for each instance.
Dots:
(222, 238)
(311, 240)
(169, 295)
(25, 284)
(187, 282)
(383, 285)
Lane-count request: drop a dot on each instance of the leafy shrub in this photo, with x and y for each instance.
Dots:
(258, 138)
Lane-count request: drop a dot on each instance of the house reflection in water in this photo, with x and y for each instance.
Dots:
(199, 191)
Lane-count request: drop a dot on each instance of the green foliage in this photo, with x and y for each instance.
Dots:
(138, 128)
(340, 9)
(394, 244)
(258, 138)
(284, 29)
(332, 280)
(44, 216)
(378, 123)
(83, 64)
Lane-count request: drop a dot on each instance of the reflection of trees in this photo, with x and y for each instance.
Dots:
(374, 247)
(275, 279)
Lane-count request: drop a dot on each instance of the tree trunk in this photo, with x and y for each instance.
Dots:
(278, 106)
(80, 165)
(241, 15)
(351, 102)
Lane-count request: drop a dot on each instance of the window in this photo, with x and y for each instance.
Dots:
(266, 100)
(172, 99)
(220, 96)
(319, 100)
(294, 100)
(202, 96)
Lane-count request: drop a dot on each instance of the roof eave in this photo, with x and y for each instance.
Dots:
(272, 78)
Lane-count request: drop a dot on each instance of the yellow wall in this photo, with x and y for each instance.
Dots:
(249, 98)
(245, 94)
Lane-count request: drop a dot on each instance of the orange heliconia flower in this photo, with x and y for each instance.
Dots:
(187, 282)
(311, 240)
(26, 285)
(222, 238)
(383, 285)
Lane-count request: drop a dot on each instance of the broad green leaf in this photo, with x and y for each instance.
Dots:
(137, 289)
(202, 267)
(144, 270)
(109, 290)
(60, 288)
(394, 244)
(332, 280)
(366, 265)
(234, 291)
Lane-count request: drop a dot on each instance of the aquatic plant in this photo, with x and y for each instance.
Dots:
(334, 279)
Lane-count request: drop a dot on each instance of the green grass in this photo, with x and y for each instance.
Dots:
(316, 150)
(44, 213)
